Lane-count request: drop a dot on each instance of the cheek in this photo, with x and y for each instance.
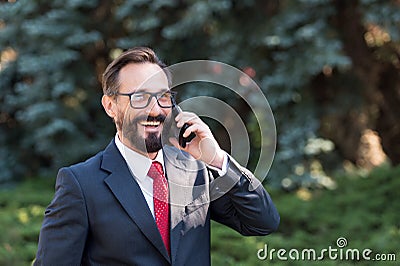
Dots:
(128, 115)
(167, 111)
(120, 116)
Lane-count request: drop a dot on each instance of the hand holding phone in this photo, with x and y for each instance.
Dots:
(182, 140)
(206, 148)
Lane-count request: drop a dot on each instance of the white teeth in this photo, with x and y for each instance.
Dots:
(150, 123)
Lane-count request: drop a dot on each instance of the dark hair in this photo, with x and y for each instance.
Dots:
(110, 81)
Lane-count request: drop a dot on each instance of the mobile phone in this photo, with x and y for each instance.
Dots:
(182, 140)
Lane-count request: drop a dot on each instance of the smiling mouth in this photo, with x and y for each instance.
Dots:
(150, 123)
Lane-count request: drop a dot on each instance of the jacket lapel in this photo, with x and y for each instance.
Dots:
(128, 193)
(186, 184)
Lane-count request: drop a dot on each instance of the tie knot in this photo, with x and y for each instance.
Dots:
(156, 170)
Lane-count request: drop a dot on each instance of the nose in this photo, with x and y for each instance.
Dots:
(153, 109)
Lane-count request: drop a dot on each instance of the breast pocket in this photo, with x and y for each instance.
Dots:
(196, 213)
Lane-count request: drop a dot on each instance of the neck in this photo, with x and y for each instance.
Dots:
(151, 155)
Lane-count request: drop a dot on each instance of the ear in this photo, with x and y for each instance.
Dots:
(109, 105)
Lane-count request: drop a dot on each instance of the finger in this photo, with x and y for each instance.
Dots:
(188, 121)
(183, 118)
(178, 117)
(192, 128)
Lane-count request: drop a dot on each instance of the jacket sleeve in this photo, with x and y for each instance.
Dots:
(63, 234)
(239, 201)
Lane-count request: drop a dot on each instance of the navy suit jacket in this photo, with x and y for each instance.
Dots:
(99, 216)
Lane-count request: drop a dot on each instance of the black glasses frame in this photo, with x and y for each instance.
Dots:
(156, 95)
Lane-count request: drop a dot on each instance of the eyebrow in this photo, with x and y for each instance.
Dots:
(145, 90)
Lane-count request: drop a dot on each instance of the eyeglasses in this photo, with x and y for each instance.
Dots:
(140, 100)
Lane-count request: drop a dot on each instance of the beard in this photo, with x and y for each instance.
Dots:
(129, 128)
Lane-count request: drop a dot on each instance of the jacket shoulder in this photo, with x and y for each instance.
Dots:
(92, 167)
(91, 163)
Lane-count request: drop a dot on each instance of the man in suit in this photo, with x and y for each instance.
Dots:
(140, 202)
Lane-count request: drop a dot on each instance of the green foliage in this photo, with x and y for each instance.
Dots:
(53, 55)
(21, 214)
(383, 13)
(50, 96)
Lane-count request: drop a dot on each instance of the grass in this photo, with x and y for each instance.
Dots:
(364, 210)
(21, 214)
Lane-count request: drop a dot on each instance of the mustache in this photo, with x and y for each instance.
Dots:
(158, 118)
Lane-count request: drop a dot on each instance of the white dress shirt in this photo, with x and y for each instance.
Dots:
(139, 165)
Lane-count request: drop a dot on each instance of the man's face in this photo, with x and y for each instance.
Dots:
(141, 129)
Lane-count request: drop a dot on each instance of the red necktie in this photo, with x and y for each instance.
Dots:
(160, 199)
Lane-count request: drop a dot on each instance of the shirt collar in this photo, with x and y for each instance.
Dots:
(137, 163)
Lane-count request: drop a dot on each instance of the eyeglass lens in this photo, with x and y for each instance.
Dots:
(142, 99)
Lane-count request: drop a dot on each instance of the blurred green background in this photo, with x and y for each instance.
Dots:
(330, 70)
